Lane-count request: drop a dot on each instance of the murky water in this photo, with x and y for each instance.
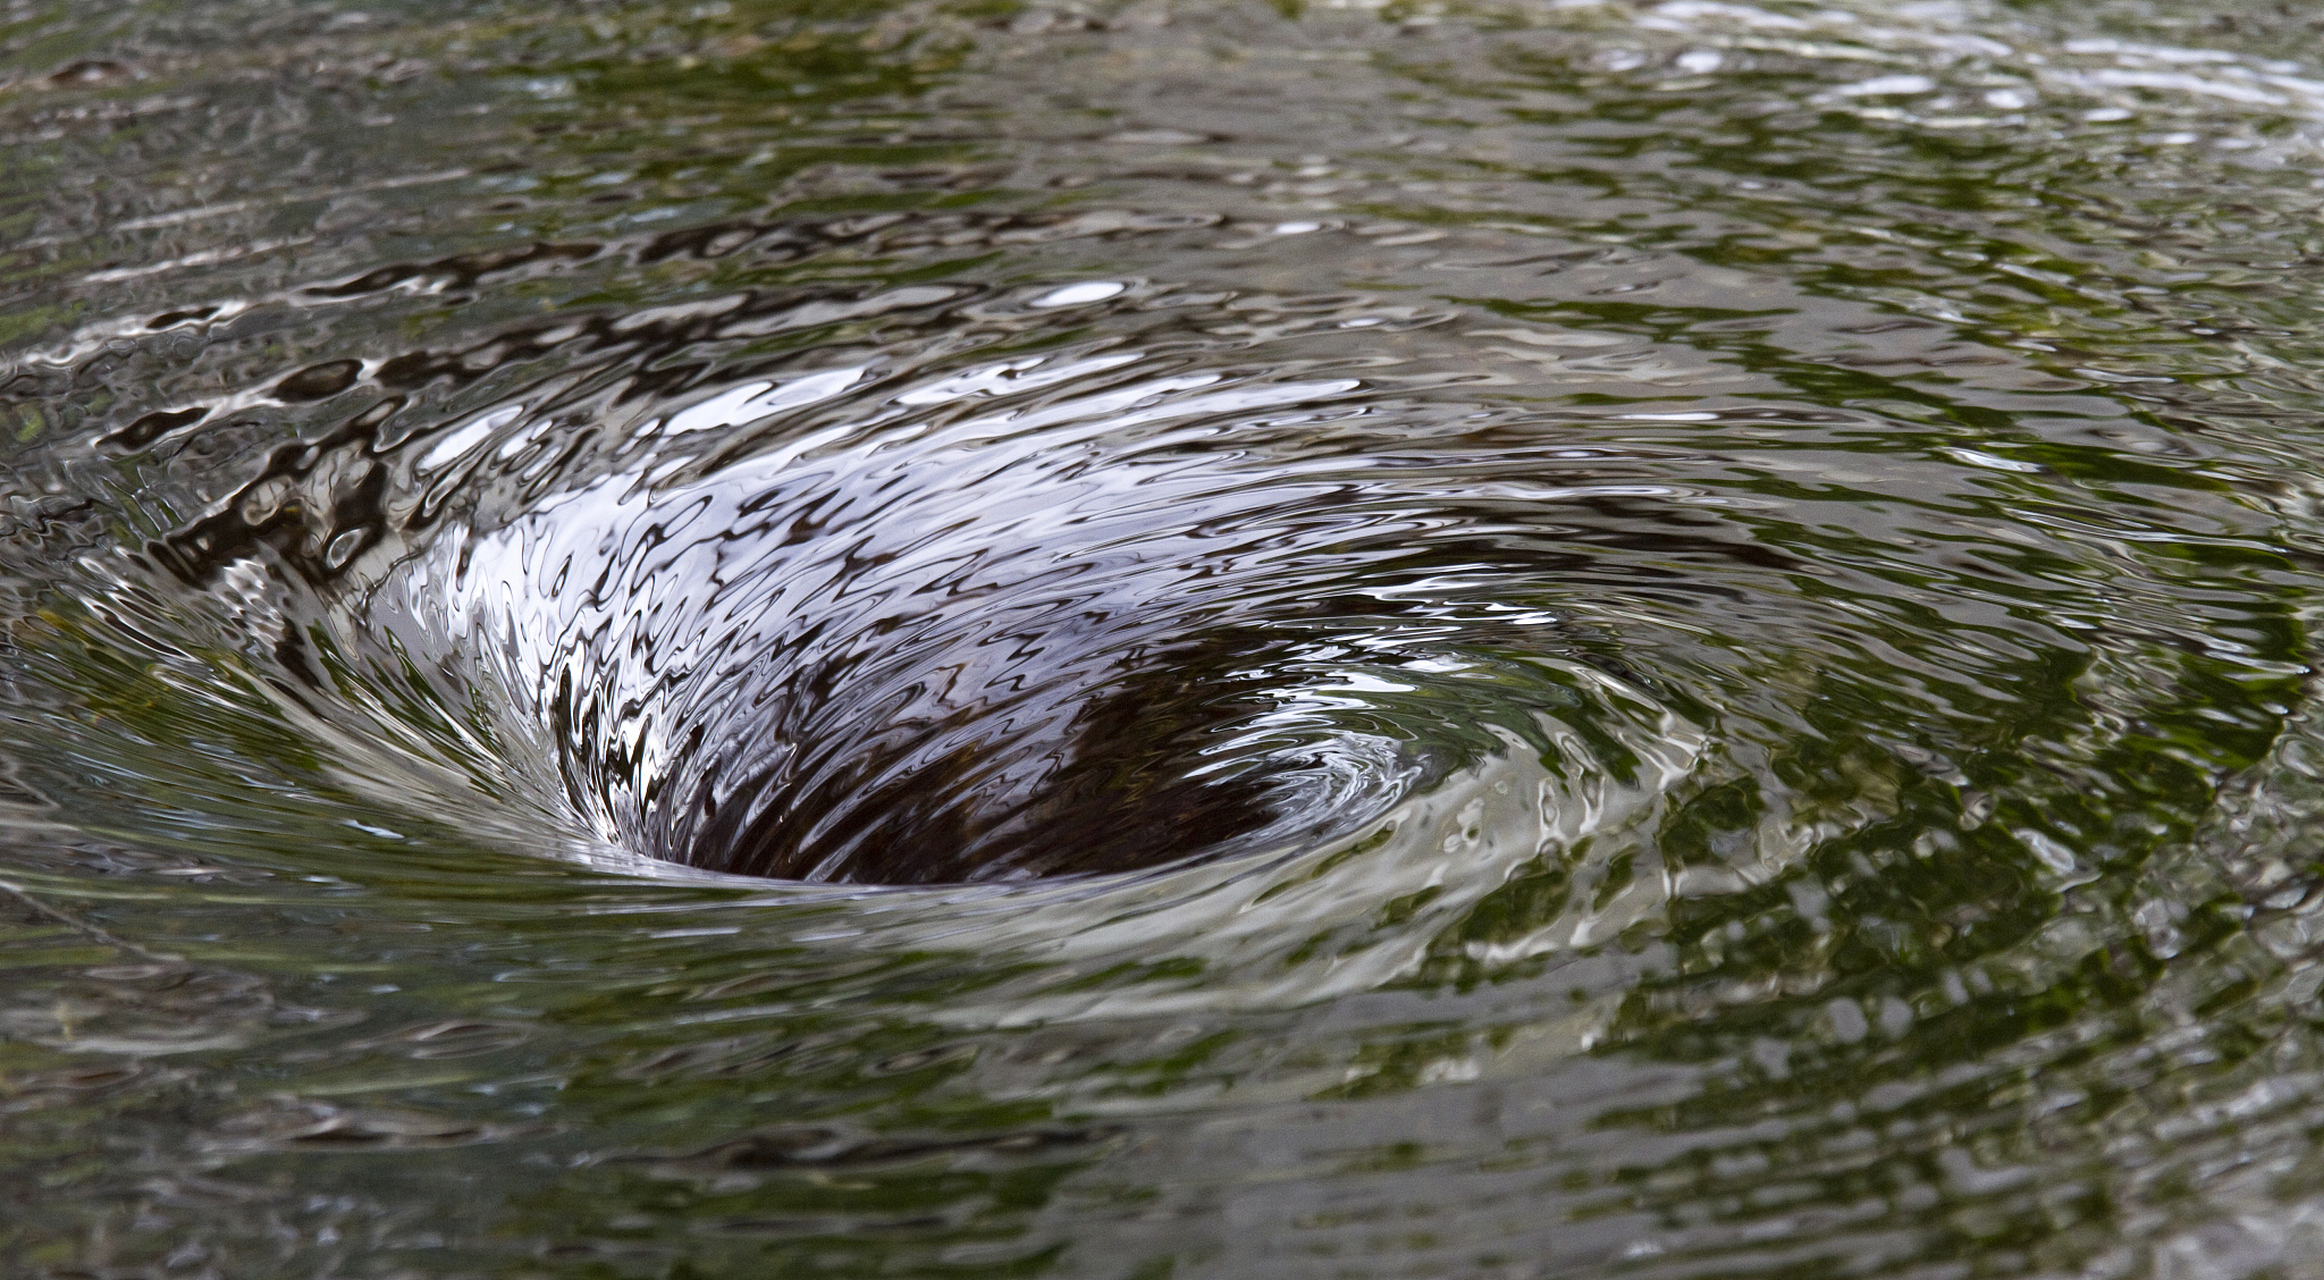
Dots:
(1175, 638)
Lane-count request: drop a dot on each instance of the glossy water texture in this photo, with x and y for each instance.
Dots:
(1171, 638)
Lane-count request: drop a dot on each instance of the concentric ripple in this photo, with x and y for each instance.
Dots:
(1058, 616)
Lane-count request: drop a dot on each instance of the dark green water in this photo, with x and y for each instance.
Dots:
(1183, 639)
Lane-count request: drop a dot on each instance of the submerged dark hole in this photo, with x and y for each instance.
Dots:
(1115, 791)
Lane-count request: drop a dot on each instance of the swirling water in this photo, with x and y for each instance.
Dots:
(1538, 639)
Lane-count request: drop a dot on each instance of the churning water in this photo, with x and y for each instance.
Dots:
(963, 638)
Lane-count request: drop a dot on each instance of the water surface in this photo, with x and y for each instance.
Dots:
(983, 639)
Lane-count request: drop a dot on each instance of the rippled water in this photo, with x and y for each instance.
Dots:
(1179, 638)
